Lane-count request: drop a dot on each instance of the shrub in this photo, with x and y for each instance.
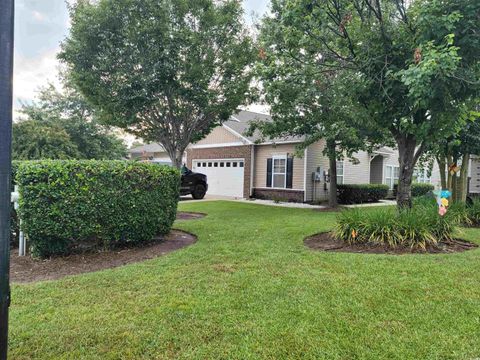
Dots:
(361, 193)
(473, 212)
(418, 189)
(69, 205)
(418, 227)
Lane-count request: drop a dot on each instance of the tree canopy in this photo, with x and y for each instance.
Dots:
(166, 71)
(61, 125)
(411, 64)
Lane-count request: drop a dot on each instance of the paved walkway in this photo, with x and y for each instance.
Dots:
(380, 203)
(188, 199)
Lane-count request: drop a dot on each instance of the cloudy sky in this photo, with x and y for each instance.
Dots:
(40, 26)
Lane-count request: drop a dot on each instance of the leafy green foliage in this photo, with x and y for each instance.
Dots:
(418, 189)
(62, 125)
(34, 140)
(418, 227)
(70, 204)
(473, 212)
(361, 193)
(409, 63)
(165, 71)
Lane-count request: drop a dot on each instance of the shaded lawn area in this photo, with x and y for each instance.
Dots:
(249, 289)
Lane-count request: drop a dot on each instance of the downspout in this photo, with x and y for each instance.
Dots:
(252, 168)
(305, 155)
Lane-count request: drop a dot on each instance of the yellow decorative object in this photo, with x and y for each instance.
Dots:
(453, 168)
(444, 202)
(354, 234)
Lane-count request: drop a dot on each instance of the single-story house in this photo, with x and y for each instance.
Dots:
(151, 152)
(244, 166)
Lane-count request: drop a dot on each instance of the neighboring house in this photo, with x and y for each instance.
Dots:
(243, 166)
(151, 152)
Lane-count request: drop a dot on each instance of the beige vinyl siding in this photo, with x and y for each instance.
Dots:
(161, 155)
(219, 135)
(264, 152)
(357, 173)
(475, 176)
(315, 158)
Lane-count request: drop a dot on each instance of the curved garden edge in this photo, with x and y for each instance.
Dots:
(29, 270)
(326, 242)
(190, 215)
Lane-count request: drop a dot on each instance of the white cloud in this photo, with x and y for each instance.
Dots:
(37, 15)
(32, 73)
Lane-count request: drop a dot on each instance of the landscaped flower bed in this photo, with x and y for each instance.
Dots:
(419, 228)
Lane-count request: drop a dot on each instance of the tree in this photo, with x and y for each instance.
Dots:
(165, 71)
(61, 125)
(34, 140)
(458, 149)
(307, 102)
(409, 62)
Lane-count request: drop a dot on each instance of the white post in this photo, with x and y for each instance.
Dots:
(22, 245)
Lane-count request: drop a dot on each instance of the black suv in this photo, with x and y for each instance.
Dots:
(193, 183)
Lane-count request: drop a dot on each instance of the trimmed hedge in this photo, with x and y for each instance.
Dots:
(361, 193)
(70, 205)
(418, 189)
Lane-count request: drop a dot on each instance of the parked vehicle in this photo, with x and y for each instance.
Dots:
(193, 183)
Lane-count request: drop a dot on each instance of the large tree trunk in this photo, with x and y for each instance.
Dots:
(442, 166)
(407, 158)
(461, 181)
(449, 175)
(332, 159)
(176, 156)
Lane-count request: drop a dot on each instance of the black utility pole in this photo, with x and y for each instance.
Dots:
(6, 85)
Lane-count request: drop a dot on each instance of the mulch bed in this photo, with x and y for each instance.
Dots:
(326, 242)
(26, 269)
(183, 215)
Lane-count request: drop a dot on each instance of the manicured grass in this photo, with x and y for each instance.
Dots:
(249, 289)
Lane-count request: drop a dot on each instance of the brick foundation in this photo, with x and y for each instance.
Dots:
(234, 152)
(279, 194)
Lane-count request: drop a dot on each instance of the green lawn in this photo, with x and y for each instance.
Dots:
(249, 289)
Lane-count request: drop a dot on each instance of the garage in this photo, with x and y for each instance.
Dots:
(225, 176)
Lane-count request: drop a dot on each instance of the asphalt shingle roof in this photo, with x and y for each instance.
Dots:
(239, 123)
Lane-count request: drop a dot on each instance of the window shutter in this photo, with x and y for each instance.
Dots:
(269, 172)
(289, 173)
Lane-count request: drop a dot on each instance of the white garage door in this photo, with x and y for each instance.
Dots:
(224, 176)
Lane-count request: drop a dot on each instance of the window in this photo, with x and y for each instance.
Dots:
(215, 164)
(234, 164)
(240, 164)
(204, 165)
(228, 164)
(422, 176)
(391, 175)
(209, 164)
(279, 172)
(222, 164)
(340, 171)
